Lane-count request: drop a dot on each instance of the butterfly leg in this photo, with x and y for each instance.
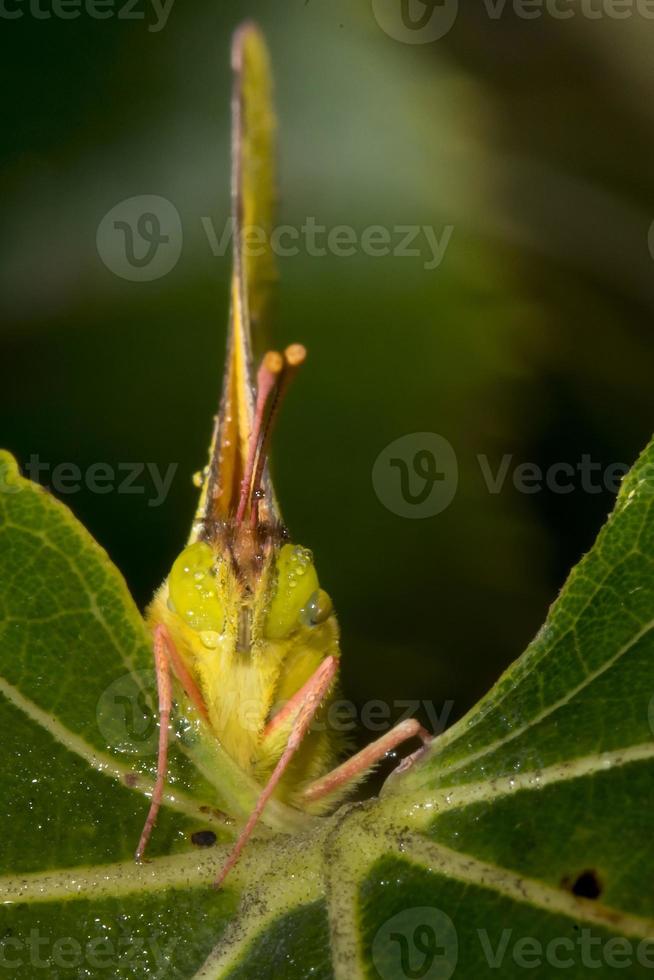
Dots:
(364, 760)
(164, 690)
(165, 654)
(191, 689)
(312, 695)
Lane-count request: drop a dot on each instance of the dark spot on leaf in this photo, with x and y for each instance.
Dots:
(203, 838)
(213, 811)
(131, 779)
(585, 885)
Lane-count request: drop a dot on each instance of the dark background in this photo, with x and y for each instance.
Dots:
(533, 337)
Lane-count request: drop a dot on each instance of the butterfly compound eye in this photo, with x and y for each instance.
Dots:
(192, 587)
(295, 584)
(317, 610)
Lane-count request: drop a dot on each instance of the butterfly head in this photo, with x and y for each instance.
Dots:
(207, 593)
(240, 576)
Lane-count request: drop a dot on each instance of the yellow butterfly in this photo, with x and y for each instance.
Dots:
(241, 623)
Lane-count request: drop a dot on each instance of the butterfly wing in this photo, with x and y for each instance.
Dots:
(253, 272)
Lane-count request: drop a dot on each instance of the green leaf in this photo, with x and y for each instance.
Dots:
(520, 840)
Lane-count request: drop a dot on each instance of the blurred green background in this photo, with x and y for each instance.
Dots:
(533, 337)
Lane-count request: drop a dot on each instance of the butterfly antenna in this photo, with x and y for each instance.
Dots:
(267, 380)
(294, 357)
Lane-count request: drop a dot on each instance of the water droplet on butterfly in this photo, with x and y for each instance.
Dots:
(209, 639)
